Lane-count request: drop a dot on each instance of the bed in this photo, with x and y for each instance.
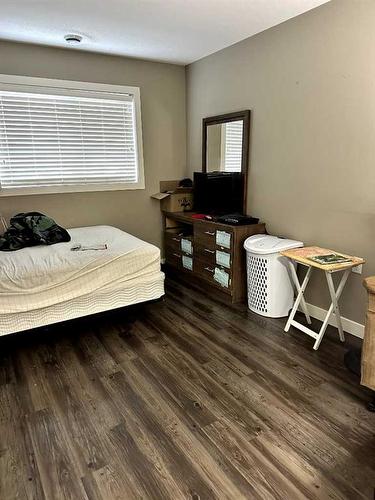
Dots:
(48, 284)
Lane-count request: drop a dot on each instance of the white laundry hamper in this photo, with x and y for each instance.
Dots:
(269, 287)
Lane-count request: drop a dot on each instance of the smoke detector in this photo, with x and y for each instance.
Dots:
(73, 39)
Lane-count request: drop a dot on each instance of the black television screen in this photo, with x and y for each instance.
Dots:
(218, 193)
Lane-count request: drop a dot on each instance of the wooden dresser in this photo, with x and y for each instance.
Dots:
(209, 253)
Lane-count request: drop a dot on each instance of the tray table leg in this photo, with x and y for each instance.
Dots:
(300, 298)
(296, 282)
(334, 307)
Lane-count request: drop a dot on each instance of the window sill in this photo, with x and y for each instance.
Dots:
(78, 188)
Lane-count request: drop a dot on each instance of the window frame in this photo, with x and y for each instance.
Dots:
(69, 87)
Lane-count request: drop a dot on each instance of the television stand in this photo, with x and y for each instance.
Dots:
(208, 253)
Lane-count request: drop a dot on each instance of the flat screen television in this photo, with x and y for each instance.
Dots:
(218, 193)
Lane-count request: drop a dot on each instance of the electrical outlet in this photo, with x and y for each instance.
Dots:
(357, 269)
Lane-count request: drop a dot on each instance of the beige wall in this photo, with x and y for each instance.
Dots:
(310, 84)
(164, 135)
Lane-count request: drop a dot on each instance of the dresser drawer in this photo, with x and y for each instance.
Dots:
(205, 234)
(177, 241)
(209, 236)
(178, 259)
(173, 257)
(216, 256)
(187, 262)
(172, 238)
(206, 254)
(216, 275)
(223, 258)
(186, 245)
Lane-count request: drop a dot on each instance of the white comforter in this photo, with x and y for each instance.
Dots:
(41, 276)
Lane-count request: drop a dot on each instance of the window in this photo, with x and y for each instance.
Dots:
(58, 136)
(232, 146)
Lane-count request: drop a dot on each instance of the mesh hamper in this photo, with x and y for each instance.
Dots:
(269, 288)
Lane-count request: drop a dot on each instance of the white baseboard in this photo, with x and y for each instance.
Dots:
(348, 325)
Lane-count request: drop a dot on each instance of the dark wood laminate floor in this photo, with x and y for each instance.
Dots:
(184, 398)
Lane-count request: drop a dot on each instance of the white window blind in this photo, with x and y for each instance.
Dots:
(233, 146)
(66, 140)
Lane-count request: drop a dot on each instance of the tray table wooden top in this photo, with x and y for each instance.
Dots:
(301, 255)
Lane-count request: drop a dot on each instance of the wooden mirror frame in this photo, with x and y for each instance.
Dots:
(230, 117)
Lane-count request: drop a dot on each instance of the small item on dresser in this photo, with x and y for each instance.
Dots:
(82, 248)
(237, 219)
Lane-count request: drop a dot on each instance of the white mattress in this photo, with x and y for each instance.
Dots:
(149, 287)
(39, 277)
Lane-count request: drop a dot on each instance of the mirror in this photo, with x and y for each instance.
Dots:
(225, 144)
(224, 147)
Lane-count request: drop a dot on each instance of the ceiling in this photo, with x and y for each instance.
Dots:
(177, 31)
